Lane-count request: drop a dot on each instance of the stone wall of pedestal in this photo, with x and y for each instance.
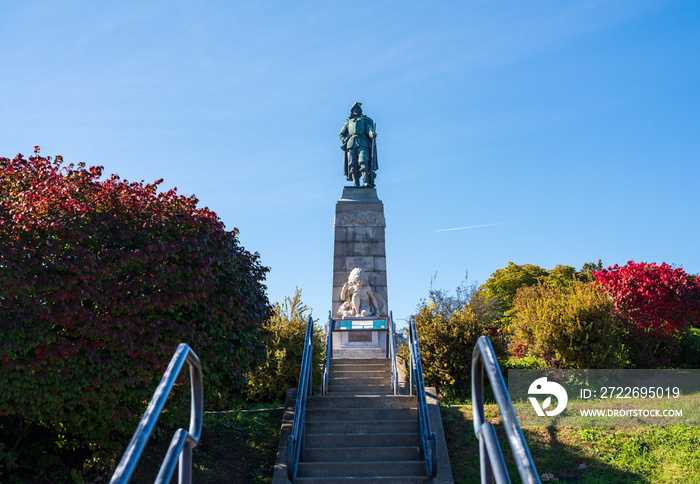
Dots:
(359, 241)
(375, 348)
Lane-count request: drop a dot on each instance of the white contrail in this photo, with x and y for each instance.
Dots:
(472, 227)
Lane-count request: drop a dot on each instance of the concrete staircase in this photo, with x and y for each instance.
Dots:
(355, 376)
(360, 431)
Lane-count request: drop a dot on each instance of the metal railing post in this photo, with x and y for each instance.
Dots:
(410, 363)
(185, 463)
(491, 456)
(391, 337)
(329, 354)
(310, 368)
(427, 440)
(183, 441)
(296, 443)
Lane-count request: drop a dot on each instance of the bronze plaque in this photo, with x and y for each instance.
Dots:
(359, 336)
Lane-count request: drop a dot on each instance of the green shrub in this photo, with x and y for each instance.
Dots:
(100, 280)
(521, 363)
(446, 343)
(284, 343)
(688, 349)
(568, 327)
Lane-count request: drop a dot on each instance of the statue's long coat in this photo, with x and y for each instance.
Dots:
(355, 134)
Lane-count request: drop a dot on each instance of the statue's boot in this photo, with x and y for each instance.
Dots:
(356, 178)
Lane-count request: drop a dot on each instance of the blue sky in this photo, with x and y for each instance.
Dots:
(560, 132)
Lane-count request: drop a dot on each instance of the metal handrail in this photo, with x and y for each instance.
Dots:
(427, 440)
(183, 441)
(392, 354)
(490, 454)
(296, 442)
(329, 353)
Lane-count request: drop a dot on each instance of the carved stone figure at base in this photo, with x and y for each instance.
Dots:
(358, 298)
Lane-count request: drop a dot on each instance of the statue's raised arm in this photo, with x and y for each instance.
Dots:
(358, 142)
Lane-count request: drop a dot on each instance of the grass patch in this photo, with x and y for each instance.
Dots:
(609, 454)
(235, 447)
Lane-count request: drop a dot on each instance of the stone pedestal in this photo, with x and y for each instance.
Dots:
(359, 242)
(344, 347)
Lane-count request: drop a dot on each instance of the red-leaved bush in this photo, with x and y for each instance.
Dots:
(100, 280)
(657, 301)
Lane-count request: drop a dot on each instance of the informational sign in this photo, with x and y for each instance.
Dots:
(361, 324)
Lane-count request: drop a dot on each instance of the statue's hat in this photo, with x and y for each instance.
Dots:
(357, 105)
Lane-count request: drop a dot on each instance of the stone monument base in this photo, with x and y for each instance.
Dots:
(359, 242)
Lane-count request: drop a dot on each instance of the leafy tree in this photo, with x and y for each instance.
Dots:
(572, 326)
(589, 268)
(504, 283)
(658, 303)
(563, 276)
(99, 283)
(284, 343)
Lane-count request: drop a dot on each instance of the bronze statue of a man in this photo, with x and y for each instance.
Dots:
(358, 142)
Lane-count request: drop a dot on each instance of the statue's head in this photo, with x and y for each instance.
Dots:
(356, 110)
(358, 276)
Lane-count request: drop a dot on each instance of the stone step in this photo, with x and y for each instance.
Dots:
(357, 390)
(355, 373)
(364, 401)
(361, 361)
(359, 414)
(352, 375)
(381, 359)
(358, 353)
(362, 427)
(367, 469)
(359, 380)
(336, 441)
(364, 367)
(363, 480)
(362, 454)
(360, 373)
